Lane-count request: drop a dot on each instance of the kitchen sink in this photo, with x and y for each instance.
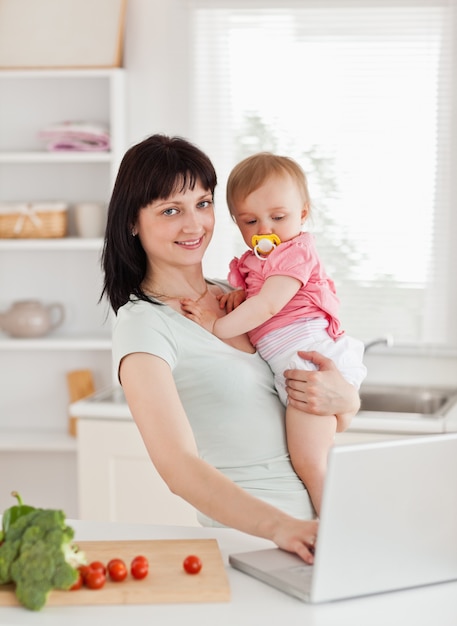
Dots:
(407, 409)
(402, 399)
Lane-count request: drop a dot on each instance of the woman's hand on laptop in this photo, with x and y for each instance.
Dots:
(297, 536)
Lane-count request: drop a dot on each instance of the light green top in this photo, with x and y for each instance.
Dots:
(229, 398)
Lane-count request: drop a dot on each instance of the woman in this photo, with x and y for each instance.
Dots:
(207, 409)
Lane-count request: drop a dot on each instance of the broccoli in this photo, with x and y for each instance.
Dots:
(8, 552)
(37, 555)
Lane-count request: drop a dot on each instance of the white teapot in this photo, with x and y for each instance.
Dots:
(31, 318)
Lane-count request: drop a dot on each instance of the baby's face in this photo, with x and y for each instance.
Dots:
(277, 207)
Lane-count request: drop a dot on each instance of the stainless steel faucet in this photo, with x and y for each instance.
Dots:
(387, 340)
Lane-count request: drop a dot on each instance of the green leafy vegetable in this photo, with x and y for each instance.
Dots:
(14, 513)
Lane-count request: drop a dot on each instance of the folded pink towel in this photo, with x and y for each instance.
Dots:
(76, 136)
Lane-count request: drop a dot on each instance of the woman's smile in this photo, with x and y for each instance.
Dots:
(191, 244)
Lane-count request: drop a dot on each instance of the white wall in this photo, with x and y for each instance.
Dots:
(156, 64)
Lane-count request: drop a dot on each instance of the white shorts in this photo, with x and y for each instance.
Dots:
(346, 352)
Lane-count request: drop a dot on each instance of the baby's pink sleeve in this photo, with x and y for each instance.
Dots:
(293, 259)
(235, 277)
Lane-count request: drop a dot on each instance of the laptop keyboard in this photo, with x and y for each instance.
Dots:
(304, 572)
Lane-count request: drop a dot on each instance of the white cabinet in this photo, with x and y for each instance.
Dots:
(117, 480)
(37, 455)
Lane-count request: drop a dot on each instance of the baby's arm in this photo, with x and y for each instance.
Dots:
(274, 295)
(205, 317)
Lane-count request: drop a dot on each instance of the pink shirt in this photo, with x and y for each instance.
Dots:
(297, 258)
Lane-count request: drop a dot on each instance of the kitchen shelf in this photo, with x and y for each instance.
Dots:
(57, 342)
(36, 441)
(34, 398)
(56, 73)
(58, 244)
(55, 158)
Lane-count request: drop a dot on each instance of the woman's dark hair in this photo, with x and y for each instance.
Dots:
(153, 169)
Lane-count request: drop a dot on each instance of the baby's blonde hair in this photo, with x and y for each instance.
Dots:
(253, 171)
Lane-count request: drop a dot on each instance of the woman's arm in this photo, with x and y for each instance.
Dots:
(155, 405)
(323, 391)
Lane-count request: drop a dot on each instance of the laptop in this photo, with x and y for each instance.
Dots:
(388, 522)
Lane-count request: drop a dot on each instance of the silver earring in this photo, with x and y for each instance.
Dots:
(134, 234)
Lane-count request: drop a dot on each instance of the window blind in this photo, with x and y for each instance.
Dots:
(361, 93)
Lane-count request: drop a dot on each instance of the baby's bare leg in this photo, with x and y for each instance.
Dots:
(309, 439)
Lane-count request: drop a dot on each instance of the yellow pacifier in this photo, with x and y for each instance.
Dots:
(264, 244)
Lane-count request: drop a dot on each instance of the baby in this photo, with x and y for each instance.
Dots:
(290, 304)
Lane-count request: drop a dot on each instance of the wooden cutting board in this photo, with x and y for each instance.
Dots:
(166, 582)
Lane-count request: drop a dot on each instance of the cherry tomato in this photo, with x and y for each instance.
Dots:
(139, 567)
(192, 564)
(117, 570)
(95, 579)
(78, 583)
(141, 559)
(98, 565)
(83, 570)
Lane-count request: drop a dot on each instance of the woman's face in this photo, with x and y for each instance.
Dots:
(176, 231)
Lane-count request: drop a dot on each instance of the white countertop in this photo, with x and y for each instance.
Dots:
(110, 404)
(253, 603)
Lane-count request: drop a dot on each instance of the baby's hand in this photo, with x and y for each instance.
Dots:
(197, 314)
(231, 300)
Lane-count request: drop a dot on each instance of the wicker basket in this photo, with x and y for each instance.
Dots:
(33, 220)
